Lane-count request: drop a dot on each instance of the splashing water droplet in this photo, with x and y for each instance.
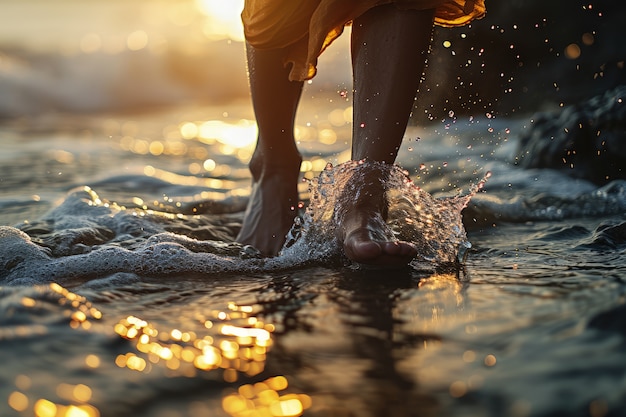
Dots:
(479, 185)
(433, 226)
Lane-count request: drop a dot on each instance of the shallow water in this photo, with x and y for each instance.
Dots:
(158, 314)
(123, 294)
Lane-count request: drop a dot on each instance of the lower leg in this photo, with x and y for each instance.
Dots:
(389, 48)
(275, 164)
(275, 101)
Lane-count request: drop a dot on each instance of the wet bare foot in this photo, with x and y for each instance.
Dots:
(271, 210)
(366, 240)
(360, 218)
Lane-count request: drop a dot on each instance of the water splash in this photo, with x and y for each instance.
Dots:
(87, 238)
(434, 226)
(605, 201)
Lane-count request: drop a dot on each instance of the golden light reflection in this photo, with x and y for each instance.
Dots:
(458, 389)
(46, 408)
(189, 180)
(28, 302)
(189, 130)
(92, 361)
(23, 382)
(263, 399)
(81, 313)
(199, 142)
(18, 401)
(83, 309)
(80, 392)
(171, 147)
(314, 164)
(327, 136)
(490, 360)
(238, 343)
(469, 356)
(572, 51)
(137, 40)
(443, 282)
(238, 135)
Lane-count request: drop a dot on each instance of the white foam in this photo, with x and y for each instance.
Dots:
(92, 239)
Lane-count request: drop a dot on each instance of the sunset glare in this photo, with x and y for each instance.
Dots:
(224, 18)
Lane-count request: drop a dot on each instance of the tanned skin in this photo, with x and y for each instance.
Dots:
(389, 48)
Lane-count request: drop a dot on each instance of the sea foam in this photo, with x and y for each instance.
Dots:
(87, 238)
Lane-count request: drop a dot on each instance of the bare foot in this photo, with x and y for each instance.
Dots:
(271, 210)
(361, 227)
(366, 240)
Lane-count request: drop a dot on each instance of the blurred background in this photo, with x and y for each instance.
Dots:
(117, 55)
(93, 56)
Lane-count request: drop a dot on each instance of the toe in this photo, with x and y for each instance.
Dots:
(359, 247)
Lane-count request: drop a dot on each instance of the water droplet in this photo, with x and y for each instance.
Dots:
(451, 113)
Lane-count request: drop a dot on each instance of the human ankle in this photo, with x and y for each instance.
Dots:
(261, 165)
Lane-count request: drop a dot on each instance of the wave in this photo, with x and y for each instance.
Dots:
(605, 201)
(87, 237)
(32, 82)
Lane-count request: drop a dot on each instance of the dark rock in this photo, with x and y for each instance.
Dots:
(525, 56)
(588, 140)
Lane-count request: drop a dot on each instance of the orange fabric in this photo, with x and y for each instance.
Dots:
(307, 27)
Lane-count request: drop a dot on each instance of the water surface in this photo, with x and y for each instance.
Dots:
(123, 293)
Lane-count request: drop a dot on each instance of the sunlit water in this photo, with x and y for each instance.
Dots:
(156, 311)
(122, 292)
